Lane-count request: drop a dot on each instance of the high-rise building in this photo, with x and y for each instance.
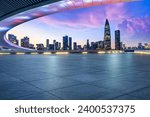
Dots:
(107, 36)
(47, 44)
(88, 45)
(70, 43)
(79, 47)
(140, 46)
(101, 45)
(25, 42)
(40, 46)
(51, 46)
(98, 45)
(92, 45)
(75, 46)
(65, 43)
(117, 40)
(13, 39)
(54, 43)
(59, 46)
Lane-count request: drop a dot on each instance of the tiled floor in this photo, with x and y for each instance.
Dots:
(75, 76)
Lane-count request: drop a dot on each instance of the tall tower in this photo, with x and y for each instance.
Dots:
(88, 45)
(47, 44)
(54, 42)
(117, 40)
(75, 46)
(70, 43)
(65, 42)
(107, 36)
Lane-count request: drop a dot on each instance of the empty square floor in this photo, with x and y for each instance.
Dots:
(75, 77)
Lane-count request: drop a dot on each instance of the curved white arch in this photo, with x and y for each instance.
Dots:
(60, 6)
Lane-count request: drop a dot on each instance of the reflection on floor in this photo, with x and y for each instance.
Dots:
(91, 76)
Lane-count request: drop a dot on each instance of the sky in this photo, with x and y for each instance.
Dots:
(132, 19)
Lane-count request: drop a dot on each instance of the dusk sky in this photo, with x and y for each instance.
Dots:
(133, 19)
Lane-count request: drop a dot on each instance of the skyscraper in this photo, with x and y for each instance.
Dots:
(117, 40)
(88, 45)
(54, 43)
(92, 45)
(47, 44)
(107, 36)
(51, 46)
(13, 39)
(75, 46)
(70, 43)
(57, 45)
(101, 45)
(65, 42)
(25, 42)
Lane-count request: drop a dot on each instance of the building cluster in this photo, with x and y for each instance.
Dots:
(140, 46)
(146, 46)
(25, 42)
(13, 39)
(68, 44)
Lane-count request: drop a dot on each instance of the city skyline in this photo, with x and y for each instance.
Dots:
(87, 23)
(67, 42)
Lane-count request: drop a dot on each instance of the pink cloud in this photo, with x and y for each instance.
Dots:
(86, 20)
(90, 19)
(136, 25)
(116, 12)
(136, 28)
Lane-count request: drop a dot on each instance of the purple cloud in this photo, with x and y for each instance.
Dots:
(136, 25)
(91, 18)
(136, 28)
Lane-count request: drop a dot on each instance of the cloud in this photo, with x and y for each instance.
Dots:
(86, 20)
(116, 12)
(92, 17)
(136, 28)
(136, 25)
